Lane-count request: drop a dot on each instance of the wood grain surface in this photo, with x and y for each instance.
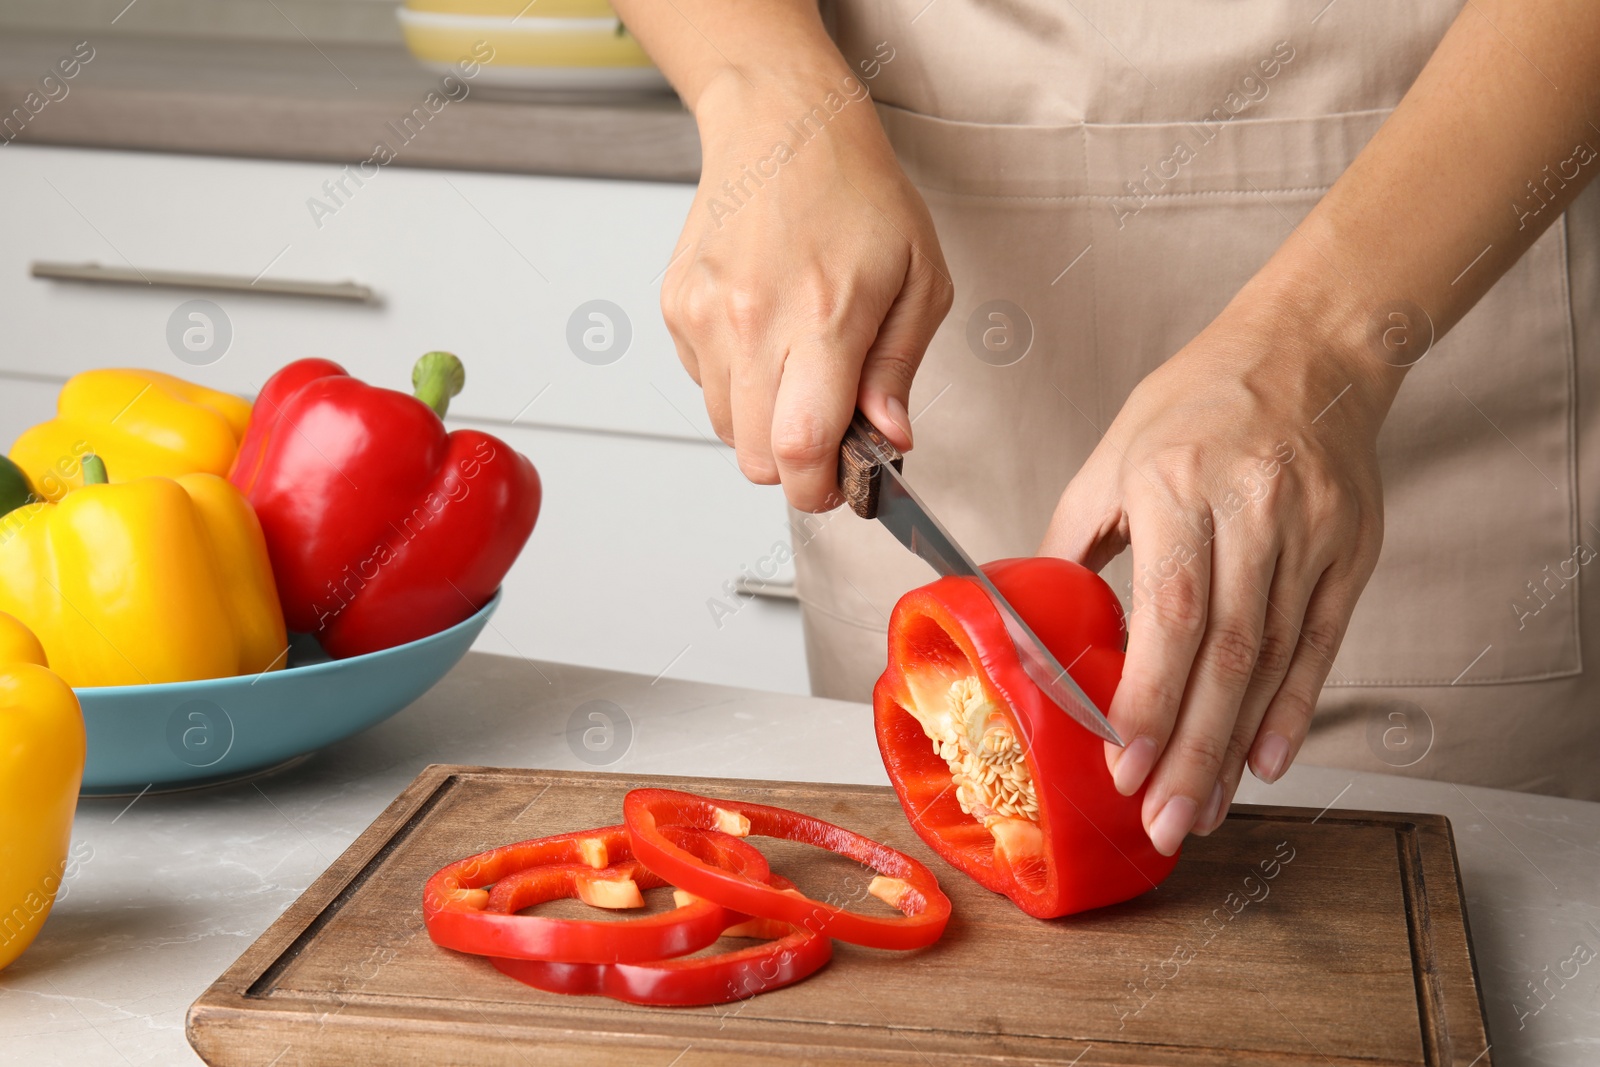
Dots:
(860, 464)
(285, 100)
(1287, 937)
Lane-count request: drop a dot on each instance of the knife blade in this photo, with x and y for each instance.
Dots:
(874, 487)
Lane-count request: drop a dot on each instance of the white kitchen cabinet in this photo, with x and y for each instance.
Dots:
(490, 266)
(645, 515)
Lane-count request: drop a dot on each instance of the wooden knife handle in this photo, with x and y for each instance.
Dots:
(860, 465)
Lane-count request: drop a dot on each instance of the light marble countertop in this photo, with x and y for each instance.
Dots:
(170, 889)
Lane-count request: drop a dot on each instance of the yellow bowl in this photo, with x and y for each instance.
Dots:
(518, 9)
(437, 38)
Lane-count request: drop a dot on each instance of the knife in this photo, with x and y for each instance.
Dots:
(870, 479)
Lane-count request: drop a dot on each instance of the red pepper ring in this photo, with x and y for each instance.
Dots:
(455, 904)
(903, 882)
(617, 886)
(697, 980)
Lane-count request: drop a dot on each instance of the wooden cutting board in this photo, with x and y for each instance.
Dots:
(1287, 937)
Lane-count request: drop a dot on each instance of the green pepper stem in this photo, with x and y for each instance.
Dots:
(15, 489)
(94, 470)
(436, 378)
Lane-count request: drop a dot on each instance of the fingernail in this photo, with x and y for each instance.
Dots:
(899, 416)
(1134, 766)
(1271, 755)
(1172, 825)
(1211, 814)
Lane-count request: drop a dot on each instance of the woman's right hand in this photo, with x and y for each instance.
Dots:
(808, 280)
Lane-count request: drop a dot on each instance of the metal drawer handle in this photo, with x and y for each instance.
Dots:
(177, 279)
(770, 590)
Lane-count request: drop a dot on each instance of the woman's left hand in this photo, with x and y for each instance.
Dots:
(1244, 470)
(1244, 474)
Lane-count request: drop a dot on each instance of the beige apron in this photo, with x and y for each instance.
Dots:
(1045, 137)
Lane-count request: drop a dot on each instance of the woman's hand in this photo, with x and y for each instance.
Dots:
(1248, 556)
(808, 280)
(1244, 474)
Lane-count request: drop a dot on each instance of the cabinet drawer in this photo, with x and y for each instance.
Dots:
(632, 559)
(492, 267)
(646, 517)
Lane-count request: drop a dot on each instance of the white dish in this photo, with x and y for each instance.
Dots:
(500, 24)
(516, 81)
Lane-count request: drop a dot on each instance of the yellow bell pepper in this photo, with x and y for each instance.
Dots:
(41, 766)
(142, 423)
(155, 580)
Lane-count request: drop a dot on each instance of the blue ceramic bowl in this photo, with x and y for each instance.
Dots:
(182, 735)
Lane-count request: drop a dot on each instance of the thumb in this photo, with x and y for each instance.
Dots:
(1089, 526)
(896, 353)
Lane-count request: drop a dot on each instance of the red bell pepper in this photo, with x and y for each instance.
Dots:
(902, 882)
(595, 865)
(382, 528)
(992, 775)
(794, 954)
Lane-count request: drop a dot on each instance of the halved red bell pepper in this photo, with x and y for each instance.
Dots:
(597, 865)
(796, 953)
(382, 528)
(992, 775)
(902, 882)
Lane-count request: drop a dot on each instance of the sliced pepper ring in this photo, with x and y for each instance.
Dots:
(456, 904)
(902, 882)
(698, 980)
